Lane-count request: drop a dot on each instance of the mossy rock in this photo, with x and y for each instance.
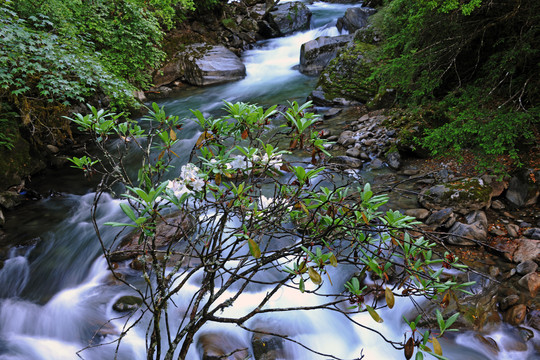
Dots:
(462, 196)
(348, 76)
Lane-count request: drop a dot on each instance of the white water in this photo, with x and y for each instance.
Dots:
(55, 296)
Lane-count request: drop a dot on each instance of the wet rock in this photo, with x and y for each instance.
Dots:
(533, 233)
(516, 314)
(332, 112)
(354, 152)
(508, 302)
(526, 250)
(127, 304)
(205, 64)
(10, 199)
(290, 17)
(526, 267)
(173, 228)
(513, 230)
(393, 159)
(419, 214)
(533, 319)
(316, 54)
(471, 233)
(346, 161)
(354, 19)
(346, 138)
(523, 189)
(530, 282)
(497, 205)
(267, 347)
(488, 343)
(215, 346)
(462, 196)
(525, 334)
(439, 217)
(494, 271)
(376, 164)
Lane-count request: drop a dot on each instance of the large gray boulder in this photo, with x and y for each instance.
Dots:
(354, 19)
(524, 188)
(204, 64)
(316, 54)
(290, 17)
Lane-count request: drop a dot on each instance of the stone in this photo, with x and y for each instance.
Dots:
(530, 282)
(496, 232)
(497, 205)
(497, 185)
(127, 304)
(526, 267)
(508, 302)
(355, 18)
(513, 230)
(533, 233)
(462, 196)
(527, 249)
(205, 64)
(494, 271)
(376, 164)
(267, 347)
(488, 343)
(346, 138)
(439, 217)
(533, 319)
(523, 188)
(2, 218)
(167, 74)
(346, 161)
(53, 149)
(216, 345)
(393, 160)
(516, 314)
(332, 112)
(10, 199)
(419, 214)
(290, 17)
(477, 216)
(354, 152)
(466, 234)
(524, 224)
(317, 53)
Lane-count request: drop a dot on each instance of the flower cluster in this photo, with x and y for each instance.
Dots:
(189, 181)
(240, 162)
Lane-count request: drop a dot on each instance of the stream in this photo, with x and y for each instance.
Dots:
(56, 291)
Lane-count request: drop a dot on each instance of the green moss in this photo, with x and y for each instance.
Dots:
(229, 23)
(467, 190)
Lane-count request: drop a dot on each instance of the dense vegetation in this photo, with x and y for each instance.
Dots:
(469, 70)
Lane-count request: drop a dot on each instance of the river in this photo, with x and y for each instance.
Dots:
(56, 291)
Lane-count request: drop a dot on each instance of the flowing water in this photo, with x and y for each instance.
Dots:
(56, 292)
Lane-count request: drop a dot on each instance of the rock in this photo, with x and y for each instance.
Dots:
(524, 188)
(205, 64)
(376, 164)
(393, 160)
(497, 185)
(508, 301)
(53, 149)
(2, 218)
(533, 233)
(477, 216)
(214, 346)
(316, 54)
(172, 229)
(170, 72)
(290, 17)
(494, 271)
(526, 249)
(318, 96)
(355, 18)
(346, 138)
(488, 343)
(139, 95)
(354, 152)
(466, 235)
(10, 199)
(530, 282)
(533, 319)
(497, 205)
(267, 347)
(524, 224)
(346, 161)
(332, 112)
(516, 314)
(526, 267)
(462, 196)
(513, 230)
(419, 214)
(496, 232)
(439, 217)
(525, 334)
(127, 304)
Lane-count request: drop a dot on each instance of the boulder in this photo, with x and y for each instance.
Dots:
(393, 159)
(526, 249)
(127, 304)
(462, 196)
(533, 233)
(347, 138)
(524, 188)
(346, 161)
(526, 267)
(204, 64)
(531, 282)
(440, 217)
(173, 228)
(354, 19)
(10, 199)
(471, 233)
(516, 314)
(215, 346)
(169, 73)
(316, 54)
(290, 17)
(267, 347)
(419, 214)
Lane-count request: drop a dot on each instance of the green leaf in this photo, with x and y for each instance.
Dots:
(374, 315)
(128, 211)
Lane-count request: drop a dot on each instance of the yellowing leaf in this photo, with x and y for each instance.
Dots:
(389, 296)
(254, 248)
(244, 134)
(333, 260)
(204, 136)
(374, 314)
(445, 301)
(314, 276)
(172, 135)
(218, 179)
(364, 217)
(437, 349)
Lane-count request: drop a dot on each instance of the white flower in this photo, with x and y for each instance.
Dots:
(178, 187)
(189, 171)
(265, 202)
(197, 184)
(238, 163)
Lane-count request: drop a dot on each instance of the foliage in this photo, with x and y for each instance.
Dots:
(480, 57)
(258, 220)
